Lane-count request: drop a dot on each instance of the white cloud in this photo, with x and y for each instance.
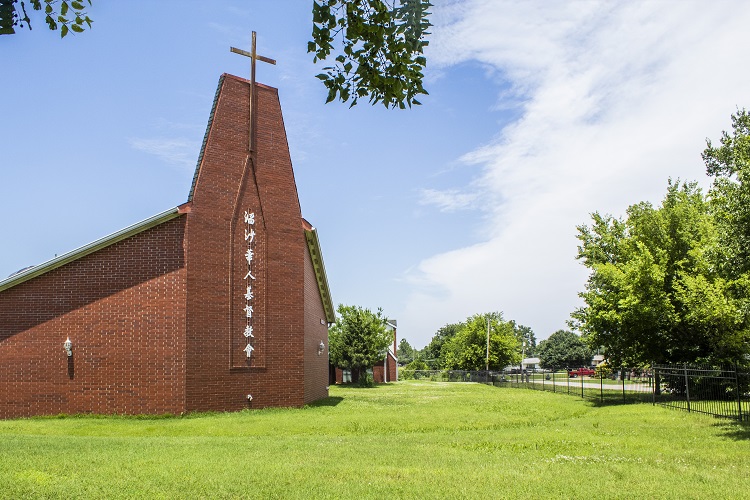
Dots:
(617, 98)
(179, 152)
(449, 200)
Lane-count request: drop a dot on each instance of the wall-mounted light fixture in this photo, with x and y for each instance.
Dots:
(68, 346)
(321, 348)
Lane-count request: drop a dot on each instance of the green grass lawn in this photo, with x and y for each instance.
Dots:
(406, 440)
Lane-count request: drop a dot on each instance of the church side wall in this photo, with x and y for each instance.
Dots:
(316, 331)
(123, 308)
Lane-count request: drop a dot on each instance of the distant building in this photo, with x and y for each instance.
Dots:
(382, 371)
(530, 363)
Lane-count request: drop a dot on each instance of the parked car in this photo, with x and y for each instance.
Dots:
(583, 372)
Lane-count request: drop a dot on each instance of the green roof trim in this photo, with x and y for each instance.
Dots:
(205, 137)
(76, 254)
(313, 244)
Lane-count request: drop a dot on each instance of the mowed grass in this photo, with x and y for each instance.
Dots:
(405, 440)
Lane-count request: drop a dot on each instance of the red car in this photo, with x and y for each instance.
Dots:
(583, 372)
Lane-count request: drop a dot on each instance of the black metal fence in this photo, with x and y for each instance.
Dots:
(722, 392)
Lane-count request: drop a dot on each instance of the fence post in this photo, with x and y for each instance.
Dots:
(653, 386)
(581, 385)
(739, 395)
(687, 387)
(601, 386)
(622, 376)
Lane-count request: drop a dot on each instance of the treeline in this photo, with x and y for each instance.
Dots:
(463, 346)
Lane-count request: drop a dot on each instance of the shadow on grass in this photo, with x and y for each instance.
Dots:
(734, 430)
(330, 401)
(357, 385)
(613, 402)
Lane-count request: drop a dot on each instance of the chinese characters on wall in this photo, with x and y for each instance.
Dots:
(249, 281)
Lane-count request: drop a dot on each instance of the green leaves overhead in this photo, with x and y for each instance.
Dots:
(72, 16)
(380, 49)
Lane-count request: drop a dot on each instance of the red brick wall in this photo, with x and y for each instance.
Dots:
(316, 331)
(219, 377)
(377, 374)
(156, 320)
(377, 371)
(123, 309)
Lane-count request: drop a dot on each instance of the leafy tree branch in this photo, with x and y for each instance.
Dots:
(379, 47)
(71, 16)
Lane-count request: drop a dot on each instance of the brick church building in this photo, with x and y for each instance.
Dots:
(221, 303)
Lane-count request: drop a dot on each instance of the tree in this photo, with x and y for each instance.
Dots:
(406, 353)
(564, 349)
(432, 352)
(358, 339)
(729, 165)
(381, 49)
(417, 364)
(527, 339)
(467, 349)
(655, 293)
(72, 15)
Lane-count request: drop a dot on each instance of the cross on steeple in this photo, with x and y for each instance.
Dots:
(253, 56)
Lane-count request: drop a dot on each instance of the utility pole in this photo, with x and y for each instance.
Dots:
(487, 364)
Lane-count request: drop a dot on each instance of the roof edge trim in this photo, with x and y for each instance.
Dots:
(313, 245)
(85, 250)
(205, 137)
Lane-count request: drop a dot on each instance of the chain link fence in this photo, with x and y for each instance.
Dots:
(722, 392)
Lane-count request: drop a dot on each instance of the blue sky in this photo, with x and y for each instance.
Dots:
(539, 113)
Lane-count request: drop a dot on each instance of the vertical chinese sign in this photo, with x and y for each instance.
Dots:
(250, 281)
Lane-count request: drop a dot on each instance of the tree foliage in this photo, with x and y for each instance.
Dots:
(655, 293)
(433, 350)
(406, 353)
(358, 339)
(417, 364)
(564, 349)
(379, 51)
(729, 165)
(467, 349)
(71, 16)
(527, 338)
